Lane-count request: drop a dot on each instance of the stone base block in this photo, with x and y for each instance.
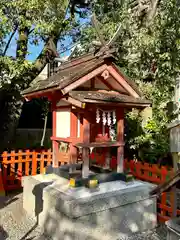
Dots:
(33, 192)
(173, 227)
(114, 211)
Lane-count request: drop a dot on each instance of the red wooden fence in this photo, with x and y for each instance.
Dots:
(155, 174)
(23, 163)
(148, 172)
(14, 165)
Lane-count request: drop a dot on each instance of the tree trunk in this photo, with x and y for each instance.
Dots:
(10, 111)
(11, 101)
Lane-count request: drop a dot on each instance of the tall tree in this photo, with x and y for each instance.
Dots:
(28, 22)
(149, 52)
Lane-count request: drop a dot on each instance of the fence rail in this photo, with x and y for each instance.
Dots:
(157, 175)
(15, 165)
(148, 172)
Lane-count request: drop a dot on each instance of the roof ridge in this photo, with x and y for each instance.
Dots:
(82, 59)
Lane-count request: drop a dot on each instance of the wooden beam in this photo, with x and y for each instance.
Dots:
(105, 82)
(166, 186)
(73, 130)
(74, 102)
(85, 150)
(115, 104)
(66, 140)
(63, 107)
(92, 83)
(84, 79)
(37, 94)
(73, 134)
(76, 61)
(55, 162)
(122, 81)
(73, 140)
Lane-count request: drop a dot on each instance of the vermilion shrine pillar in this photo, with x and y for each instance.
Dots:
(85, 150)
(120, 139)
(55, 162)
(73, 135)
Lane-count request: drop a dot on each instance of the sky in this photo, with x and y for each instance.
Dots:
(35, 50)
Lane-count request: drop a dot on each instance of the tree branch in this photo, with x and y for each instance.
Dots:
(30, 31)
(152, 11)
(47, 54)
(9, 41)
(22, 43)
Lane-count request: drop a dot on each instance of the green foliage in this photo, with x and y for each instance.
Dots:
(149, 53)
(148, 143)
(28, 22)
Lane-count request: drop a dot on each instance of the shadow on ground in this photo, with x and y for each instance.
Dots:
(38, 193)
(3, 233)
(9, 198)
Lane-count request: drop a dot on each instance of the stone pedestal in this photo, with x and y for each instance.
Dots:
(112, 211)
(173, 227)
(33, 192)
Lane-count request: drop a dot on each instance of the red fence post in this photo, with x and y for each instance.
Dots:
(27, 160)
(42, 162)
(4, 170)
(49, 157)
(12, 168)
(19, 164)
(34, 163)
(2, 191)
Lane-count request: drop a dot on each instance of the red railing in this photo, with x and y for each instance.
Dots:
(14, 165)
(155, 174)
(148, 172)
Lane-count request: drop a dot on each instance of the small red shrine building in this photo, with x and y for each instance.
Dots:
(89, 95)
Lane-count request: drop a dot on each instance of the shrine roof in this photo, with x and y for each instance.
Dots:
(107, 97)
(74, 69)
(68, 73)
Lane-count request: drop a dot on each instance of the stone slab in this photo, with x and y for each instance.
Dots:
(33, 192)
(173, 227)
(116, 223)
(114, 210)
(82, 201)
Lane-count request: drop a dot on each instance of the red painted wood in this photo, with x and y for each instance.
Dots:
(73, 127)
(63, 107)
(120, 138)
(84, 79)
(122, 81)
(29, 160)
(92, 83)
(86, 129)
(106, 83)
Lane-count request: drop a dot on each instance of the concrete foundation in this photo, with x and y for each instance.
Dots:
(173, 227)
(114, 210)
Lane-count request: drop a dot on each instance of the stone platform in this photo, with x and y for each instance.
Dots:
(114, 210)
(33, 192)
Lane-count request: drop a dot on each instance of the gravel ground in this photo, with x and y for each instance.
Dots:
(16, 225)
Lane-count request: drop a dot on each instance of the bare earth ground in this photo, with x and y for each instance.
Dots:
(16, 225)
